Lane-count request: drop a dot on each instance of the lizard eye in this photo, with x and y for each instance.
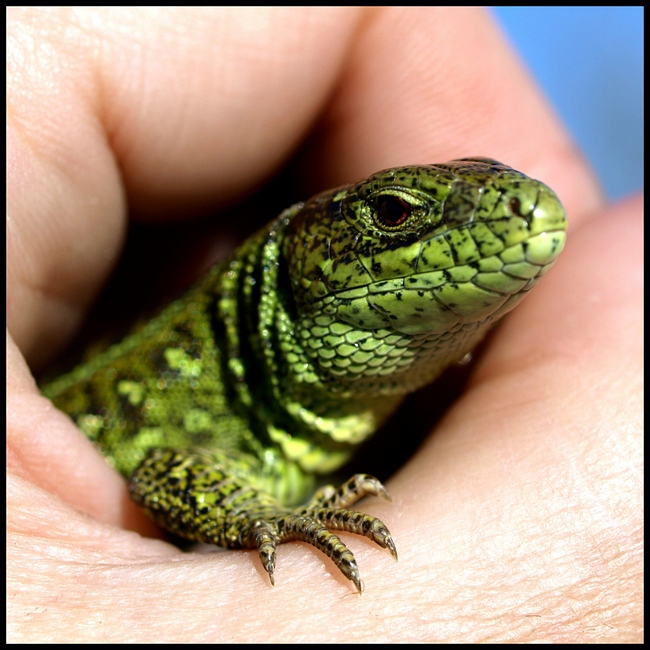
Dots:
(392, 211)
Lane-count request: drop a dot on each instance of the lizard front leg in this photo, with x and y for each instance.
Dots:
(202, 497)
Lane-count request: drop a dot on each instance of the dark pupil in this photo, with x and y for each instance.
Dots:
(392, 211)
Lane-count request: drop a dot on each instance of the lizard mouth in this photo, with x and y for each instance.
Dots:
(438, 301)
(464, 275)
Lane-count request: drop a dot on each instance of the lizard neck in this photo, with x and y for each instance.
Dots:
(273, 375)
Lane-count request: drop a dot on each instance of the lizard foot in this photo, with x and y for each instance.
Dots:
(197, 497)
(328, 510)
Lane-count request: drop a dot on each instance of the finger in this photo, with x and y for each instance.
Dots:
(430, 84)
(157, 109)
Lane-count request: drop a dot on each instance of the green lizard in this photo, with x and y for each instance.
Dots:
(228, 409)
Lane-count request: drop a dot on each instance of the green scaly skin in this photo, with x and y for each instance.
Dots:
(228, 408)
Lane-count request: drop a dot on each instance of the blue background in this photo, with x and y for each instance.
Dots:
(589, 61)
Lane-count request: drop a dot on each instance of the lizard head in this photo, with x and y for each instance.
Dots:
(423, 258)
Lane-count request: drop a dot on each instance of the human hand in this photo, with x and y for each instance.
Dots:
(520, 518)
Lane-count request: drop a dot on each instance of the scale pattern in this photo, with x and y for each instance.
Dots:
(231, 406)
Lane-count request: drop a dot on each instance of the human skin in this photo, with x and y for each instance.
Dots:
(519, 519)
